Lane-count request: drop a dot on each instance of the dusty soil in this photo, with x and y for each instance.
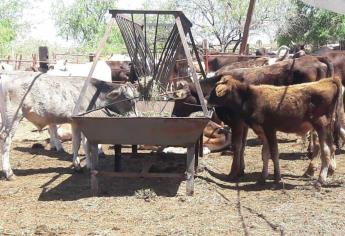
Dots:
(48, 198)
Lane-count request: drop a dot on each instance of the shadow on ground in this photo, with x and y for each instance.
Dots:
(77, 186)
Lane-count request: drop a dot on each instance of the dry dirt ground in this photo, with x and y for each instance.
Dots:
(48, 198)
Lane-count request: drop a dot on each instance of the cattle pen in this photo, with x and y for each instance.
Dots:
(153, 71)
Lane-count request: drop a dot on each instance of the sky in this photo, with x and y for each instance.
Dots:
(43, 28)
(42, 25)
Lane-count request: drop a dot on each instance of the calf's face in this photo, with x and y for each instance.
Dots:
(226, 93)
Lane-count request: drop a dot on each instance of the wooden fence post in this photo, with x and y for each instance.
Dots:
(43, 58)
(20, 61)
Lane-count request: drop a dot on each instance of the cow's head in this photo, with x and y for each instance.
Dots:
(225, 85)
(121, 98)
(225, 93)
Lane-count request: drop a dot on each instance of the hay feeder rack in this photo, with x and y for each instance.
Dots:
(153, 66)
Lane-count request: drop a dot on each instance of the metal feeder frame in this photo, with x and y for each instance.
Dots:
(178, 131)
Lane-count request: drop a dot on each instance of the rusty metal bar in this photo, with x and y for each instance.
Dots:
(87, 81)
(191, 66)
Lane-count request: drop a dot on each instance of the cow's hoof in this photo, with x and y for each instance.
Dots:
(10, 176)
(277, 178)
(318, 185)
(101, 155)
(61, 150)
(310, 172)
(330, 171)
(78, 169)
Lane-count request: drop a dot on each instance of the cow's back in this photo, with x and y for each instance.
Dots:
(43, 98)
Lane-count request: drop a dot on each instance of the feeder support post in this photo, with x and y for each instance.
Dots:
(190, 64)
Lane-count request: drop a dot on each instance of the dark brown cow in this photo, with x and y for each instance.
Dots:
(216, 61)
(291, 109)
(290, 71)
(122, 71)
(262, 61)
(305, 69)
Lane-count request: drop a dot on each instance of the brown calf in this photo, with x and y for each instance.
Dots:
(291, 109)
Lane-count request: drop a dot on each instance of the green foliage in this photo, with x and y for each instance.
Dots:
(10, 22)
(85, 22)
(309, 25)
(7, 32)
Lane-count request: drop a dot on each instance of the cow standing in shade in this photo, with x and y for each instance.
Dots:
(291, 71)
(44, 99)
(291, 109)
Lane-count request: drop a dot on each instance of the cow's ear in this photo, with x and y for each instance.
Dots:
(221, 90)
(223, 80)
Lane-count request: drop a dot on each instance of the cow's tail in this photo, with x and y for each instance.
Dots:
(338, 113)
(329, 64)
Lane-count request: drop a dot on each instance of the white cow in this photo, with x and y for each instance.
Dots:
(44, 100)
(63, 68)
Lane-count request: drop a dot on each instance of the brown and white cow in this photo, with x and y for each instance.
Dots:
(291, 109)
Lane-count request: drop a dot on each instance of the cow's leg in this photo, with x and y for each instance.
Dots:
(325, 154)
(76, 139)
(265, 155)
(315, 154)
(55, 143)
(273, 148)
(244, 141)
(5, 147)
(237, 133)
(332, 147)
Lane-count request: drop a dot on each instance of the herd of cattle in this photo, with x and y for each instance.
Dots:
(297, 95)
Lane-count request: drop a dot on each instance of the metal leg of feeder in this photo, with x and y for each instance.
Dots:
(196, 154)
(118, 158)
(201, 146)
(94, 169)
(190, 171)
(134, 149)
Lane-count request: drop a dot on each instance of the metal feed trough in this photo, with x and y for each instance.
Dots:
(153, 48)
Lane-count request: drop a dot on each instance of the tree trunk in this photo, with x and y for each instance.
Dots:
(246, 26)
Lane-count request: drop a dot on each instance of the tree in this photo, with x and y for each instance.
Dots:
(222, 21)
(10, 22)
(309, 25)
(85, 22)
